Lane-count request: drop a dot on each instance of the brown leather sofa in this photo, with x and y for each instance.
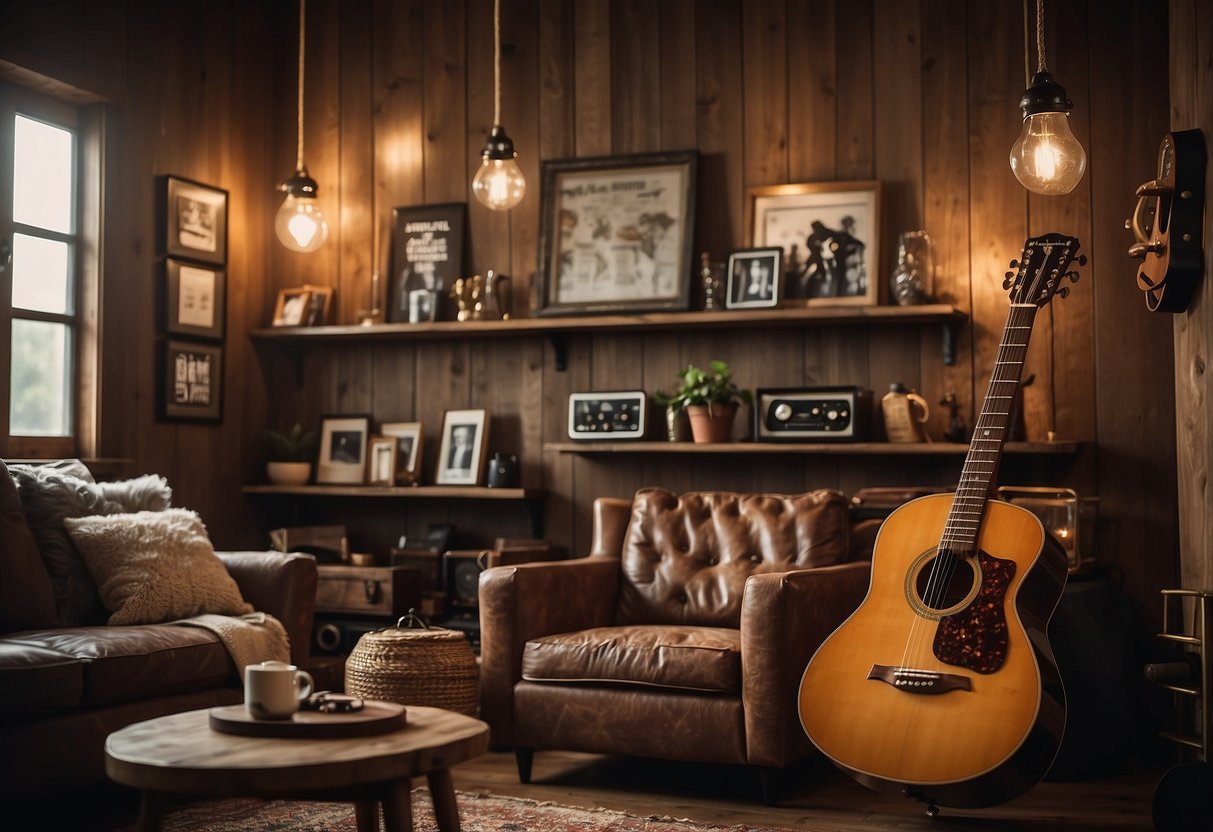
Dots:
(63, 689)
(682, 636)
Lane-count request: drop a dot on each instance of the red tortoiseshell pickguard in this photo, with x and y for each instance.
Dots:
(976, 637)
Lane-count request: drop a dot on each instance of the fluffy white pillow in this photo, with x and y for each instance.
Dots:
(155, 566)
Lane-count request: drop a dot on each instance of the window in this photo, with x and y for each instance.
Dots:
(39, 275)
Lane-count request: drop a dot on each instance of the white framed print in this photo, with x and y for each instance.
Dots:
(755, 279)
(343, 443)
(464, 443)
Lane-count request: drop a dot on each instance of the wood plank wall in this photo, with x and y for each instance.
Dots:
(920, 94)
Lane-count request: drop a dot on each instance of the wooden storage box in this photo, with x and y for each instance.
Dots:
(389, 591)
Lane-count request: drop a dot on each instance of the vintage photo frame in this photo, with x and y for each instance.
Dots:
(755, 279)
(381, 460)
(428, 244)
(190, 381)
(195, 221)
(292, 307)
(410, 437)
(319, 305)
(343, 445)
(460, 456)
(195, 298)
(616, 233)
(830, 236)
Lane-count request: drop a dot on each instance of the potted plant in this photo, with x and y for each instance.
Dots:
(290, 458)
(710, 398)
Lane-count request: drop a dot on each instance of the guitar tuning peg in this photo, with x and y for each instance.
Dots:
(1063, 292)
(1073, 276)
(1008, 275)
(1082, 259)
(1015, 264)
(1006, 283)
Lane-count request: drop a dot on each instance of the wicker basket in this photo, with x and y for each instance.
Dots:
(412, 664)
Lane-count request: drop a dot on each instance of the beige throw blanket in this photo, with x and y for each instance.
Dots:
(250, 639)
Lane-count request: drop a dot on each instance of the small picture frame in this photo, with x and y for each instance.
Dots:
(409, 439)
(195, 223)
(293, 307)
(829, 233)
(319, 305)
(381, 461)
(191, 381)
(755, 279)
(343, 443)
(194, 299)
(464, 443)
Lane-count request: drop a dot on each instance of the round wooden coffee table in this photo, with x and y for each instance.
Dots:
(181, 754)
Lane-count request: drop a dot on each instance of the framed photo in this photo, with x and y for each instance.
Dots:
(342, 457)
(464, 443)
(191, 381)
(829, 233)
(195, 221)
(616, 233)
(755, 278)
(409, 437)
(293, 307)
(381, 461)
(319, 305)
(194, 297)
(428, 242)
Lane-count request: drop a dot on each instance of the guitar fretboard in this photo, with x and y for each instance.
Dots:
(985, 450)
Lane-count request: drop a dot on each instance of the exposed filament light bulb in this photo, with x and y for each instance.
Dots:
(499, 183)
(299, 223)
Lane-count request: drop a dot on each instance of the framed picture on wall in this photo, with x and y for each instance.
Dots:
(190, 384)
(293, 307)
(194, 297)
(616, 233)
(381, 461)
(755, 278)
(195, 222)
(428, 242)
(409, 438)
(829, 233)
(465, 435)
(343, 446)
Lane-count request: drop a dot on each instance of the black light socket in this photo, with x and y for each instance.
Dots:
(499, 145)
(1044, 95)
(300, 185)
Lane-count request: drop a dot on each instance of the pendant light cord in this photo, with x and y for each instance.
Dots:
(299, 126)
(1040, 35)
(496, 62)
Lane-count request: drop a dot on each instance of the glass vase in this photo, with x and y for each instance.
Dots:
(913, 280)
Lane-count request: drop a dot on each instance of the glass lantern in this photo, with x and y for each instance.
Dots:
(1064, 514)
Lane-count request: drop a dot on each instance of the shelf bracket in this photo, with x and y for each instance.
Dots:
(949, 342)
(560, 345)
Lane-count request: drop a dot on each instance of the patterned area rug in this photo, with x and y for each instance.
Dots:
(478, 812)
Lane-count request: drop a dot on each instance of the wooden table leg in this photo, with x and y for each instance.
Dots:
(366, 815)
(151, 812)
(442, 791)
(398, 808)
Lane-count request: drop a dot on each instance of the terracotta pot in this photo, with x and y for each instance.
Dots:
(712, 422)
(288, 473)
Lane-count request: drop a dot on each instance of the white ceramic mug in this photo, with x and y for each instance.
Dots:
(273, 690)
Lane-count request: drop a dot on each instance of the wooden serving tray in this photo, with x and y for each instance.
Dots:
(374, 718)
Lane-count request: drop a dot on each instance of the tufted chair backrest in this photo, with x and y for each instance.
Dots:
(686, 557)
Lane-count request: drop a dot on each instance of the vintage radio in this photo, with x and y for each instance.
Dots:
(812, 414)
(615, 415)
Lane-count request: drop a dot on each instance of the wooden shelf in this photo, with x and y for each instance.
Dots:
(835, 448)
(454, 492)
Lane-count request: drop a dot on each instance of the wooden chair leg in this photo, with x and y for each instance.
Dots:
(524, 757)
(769, 779)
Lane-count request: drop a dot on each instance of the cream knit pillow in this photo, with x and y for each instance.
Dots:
(155, 566)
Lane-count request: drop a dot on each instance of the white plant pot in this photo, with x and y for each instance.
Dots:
(288, 473)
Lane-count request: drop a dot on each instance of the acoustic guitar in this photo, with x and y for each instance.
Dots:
(942, 685)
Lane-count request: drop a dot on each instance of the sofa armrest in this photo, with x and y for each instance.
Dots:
(526, 601)
(785, 616)
(282, 584)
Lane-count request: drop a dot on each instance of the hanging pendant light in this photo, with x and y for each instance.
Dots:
(300, 223)
(1046, 158)
(499, 184)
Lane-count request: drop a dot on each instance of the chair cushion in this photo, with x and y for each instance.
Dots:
(37, 681)
(681, 658)
(27, 600)
(686, 558)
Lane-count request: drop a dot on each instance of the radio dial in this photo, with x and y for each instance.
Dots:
(783, 411)
(832, 415)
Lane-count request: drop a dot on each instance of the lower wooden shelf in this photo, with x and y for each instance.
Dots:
(834, 448)
(458, 492)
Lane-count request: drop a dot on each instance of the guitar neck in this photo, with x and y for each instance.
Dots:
(985, 450)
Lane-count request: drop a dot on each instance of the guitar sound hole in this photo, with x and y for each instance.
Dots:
(945, 581)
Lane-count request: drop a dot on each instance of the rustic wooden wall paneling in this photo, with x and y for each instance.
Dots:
(719, 127)
(357, 213)
(812, 91)
(677, 55)
(592, 77)
(856, 94)
(1192, 107)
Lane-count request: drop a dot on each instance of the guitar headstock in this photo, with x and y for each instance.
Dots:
(1041, 269)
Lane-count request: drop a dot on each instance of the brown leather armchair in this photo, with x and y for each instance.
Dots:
(682, 636)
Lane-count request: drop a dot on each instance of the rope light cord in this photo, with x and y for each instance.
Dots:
(1040, 35)
(1027, 49)
(496, 62)
(299, 126)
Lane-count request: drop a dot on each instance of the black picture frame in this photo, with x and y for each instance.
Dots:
(428, 245)
(195, 299)
(195, 221)
(616, 233)
(755, 279)
(190, 385)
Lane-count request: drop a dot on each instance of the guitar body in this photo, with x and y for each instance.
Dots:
(993, 731)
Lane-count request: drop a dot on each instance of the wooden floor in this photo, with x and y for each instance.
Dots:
(816, 797)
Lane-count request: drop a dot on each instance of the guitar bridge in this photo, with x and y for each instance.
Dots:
(914, 680)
